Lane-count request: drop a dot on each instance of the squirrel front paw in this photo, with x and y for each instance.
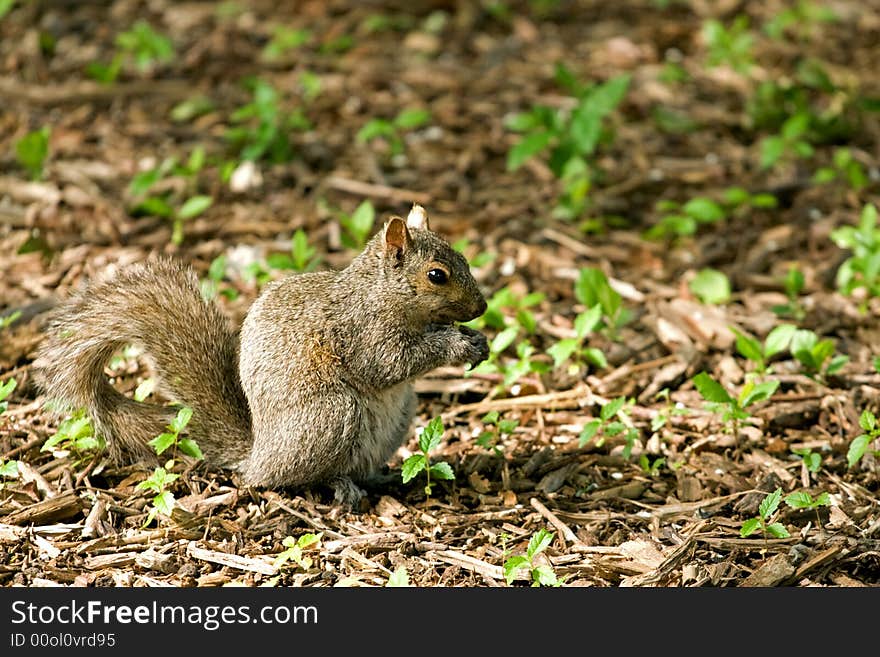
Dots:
(474, 346)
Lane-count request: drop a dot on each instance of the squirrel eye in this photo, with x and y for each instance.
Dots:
(437, 276)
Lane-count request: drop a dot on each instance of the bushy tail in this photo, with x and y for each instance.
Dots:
(159, 306)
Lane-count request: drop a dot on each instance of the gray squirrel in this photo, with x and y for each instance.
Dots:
(317, 389)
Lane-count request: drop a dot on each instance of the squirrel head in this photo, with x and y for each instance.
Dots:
(435, 278)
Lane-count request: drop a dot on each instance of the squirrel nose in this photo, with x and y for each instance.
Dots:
(481, 307)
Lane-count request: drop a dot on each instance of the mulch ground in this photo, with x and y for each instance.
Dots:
(78, 519)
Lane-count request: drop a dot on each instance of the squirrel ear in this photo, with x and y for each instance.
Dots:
(417, 219)
(397, 237)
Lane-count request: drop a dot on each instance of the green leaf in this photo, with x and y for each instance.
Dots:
(703, 210)
(857, 449)
(748, 347)
(513, 566)
(543, 575)
(162, 442)
(442, 470)
(361, 220)
(611, 409)
(508, 426)
(412, 466)
(191, 108)
(530, 145)
(375, 128)
(561, 351)
(308, 539)
(711, 390)
(770, 503)
(491, 417)
(7, 388)
(539, 542)
(778, 339)
(145, 389)
(191, 448)
(757, 392)
(412, 118)
(595, 357)
(836, 364)
(824, 499)
(32, 151)
(164, 502)
(503, 340)
(399, 578)
(799, 500)
(431, 435)
(178, 424)
(749, 527)
(772, 148)
(587, 322)
(778, 530)
(194, 206)
(5, 7)
(795, 126)
(867, 420)
(9, 469)
(589, 430)
(711, 286)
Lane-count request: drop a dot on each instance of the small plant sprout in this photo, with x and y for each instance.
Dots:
(32, 150)
(171, 438)
(817, 356)
(302, 256)
(804, 501)
(860, 444)
(591, 288)
(8, 469)
(844, 167)
(665, 415)
(731, 46)
(812, 460)
(764, 519)
(573, 348)
(861, 270)
(651, 467)
(295, 548)
(392, 131)
(357, 226)
(777, 341)
(613, 421)
(6, 390)
(710, 286)
(214, 283)
(74, 434)
(145, 46)
(163, 501)
(262, 126)
(540, 574)
(283, 40)
(428, 440)
(399, 578)
(571, 136)
(793, 284)
(790, 142)
(733, 409)
(480, 259)
(499, 429)
(9, 319)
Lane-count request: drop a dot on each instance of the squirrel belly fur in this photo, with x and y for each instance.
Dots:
(316, 388)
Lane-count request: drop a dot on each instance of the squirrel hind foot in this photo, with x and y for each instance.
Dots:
(346, 492)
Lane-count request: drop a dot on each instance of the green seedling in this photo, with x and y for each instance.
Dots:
(163, 501)
(302, 256)
(428, 440)
(511, 371)
(572, 137)
(74, 434)
(649, 467)
(731, 46)
(540, 574)
(844, 167)
(262, 126)
(214, 284)
(733, 410)
(105, 73)
(738, 200)
(792, 141)
(802, 500)
(392, 131)
(145, 389)
(803, 18)
(8, 469)
(480, 259)
(592, 288)
(793, 284)
(337, 45)
(665, 415)
(710, 286)
(171, 437)
(295, 548)
(496, 433)
(613, 421)
(310, 85)
(764, 519)
(861, 270)
(191, 108)
(777, 341)
(9, 319)
(285, 39)
(399, 578)
(357, 226)
(682, 220)
(5, 7)
(32, 151)
(6, 390)
(503, 303)
(672, 121)
(817, 356)
(812, 460)
(145, 46)
(573, 348)
(860, 444)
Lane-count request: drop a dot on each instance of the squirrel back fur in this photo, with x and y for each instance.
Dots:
(319, 387)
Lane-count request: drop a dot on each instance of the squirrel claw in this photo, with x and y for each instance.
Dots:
(346, 492)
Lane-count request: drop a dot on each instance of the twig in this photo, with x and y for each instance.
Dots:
(564, 530)
(377, 191)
